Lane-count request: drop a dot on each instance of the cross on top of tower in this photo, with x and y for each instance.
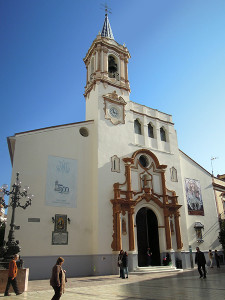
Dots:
(106, 8)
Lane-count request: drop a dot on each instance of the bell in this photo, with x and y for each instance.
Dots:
(112, 65)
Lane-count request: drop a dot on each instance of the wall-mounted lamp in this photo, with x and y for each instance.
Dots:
(53, 220)
(68, 219)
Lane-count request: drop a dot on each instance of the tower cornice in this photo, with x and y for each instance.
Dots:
(109, 44)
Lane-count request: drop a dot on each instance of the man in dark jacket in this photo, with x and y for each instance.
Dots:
(120, 263)
(200, 261)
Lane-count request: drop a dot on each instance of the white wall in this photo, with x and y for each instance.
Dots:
(30, 159)
(210, 219)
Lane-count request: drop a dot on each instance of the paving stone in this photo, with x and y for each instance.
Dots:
(181, 286)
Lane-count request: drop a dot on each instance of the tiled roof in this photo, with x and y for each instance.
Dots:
(106, 29)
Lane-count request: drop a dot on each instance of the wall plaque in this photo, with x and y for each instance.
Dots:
(33, 219)
(59, 238)
(60, 223)
(60, 234)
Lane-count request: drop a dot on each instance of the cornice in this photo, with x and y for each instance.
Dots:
(11, 146)
(216, 185)
(54, 127)
(143, 114)
(107, 81)
(103, 42)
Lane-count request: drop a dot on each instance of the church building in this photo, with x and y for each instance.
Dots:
(114, 181)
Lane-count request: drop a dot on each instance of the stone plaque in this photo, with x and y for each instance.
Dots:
(33, 219)
(59, 238)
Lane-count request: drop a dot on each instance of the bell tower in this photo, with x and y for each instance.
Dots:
(107, 68)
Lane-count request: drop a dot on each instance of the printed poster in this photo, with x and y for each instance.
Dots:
(194, 197)
(61, 184)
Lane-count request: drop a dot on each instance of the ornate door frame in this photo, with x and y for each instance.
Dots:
(125, 199)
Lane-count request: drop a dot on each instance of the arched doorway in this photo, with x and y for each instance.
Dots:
(147, 237)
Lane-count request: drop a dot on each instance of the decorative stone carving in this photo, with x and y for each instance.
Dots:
(114, 108)
(127, 199)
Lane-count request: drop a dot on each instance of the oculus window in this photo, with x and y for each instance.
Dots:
(84, 131)
(144, 161)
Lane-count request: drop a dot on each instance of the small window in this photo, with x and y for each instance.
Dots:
(163, 134)
(84, 132)
(115, 164)
(150, 131)
(137, 127)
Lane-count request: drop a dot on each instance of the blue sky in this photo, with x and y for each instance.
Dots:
(177, 66)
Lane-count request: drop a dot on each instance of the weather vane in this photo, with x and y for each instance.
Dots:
(106, 8)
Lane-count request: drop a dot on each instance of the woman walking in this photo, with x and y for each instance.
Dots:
(58, 279)
(125, 264)
(211, 258)
(120, 263)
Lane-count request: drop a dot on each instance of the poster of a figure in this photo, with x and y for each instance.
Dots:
(61, 182)
(194, 197)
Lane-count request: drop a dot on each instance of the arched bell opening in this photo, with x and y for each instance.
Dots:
(113, 71)
(147, 237)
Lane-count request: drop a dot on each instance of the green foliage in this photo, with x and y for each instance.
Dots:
(222, 234)
(2, 234)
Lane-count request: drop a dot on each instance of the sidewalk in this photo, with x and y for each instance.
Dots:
(170, 286)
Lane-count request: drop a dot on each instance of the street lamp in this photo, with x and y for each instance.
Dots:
(12, 247)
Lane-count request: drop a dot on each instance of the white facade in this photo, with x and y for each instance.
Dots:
(97, 148)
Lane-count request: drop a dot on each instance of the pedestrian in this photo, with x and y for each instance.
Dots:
(167, 260)
(149, 257)
(120, 263)
(217, 258)
(12, 276)
(125, 264)
(200, 261)
(211, 258)
(58, 279)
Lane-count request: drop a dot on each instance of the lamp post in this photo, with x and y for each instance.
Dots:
(12, 246)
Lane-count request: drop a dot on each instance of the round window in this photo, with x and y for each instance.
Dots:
(144, 161)
(84, 132)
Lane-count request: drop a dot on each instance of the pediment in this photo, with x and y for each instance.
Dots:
(114, 97)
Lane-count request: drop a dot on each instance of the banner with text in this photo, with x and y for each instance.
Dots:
(61, 182)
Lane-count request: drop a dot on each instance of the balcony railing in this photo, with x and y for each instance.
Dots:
(114, 75)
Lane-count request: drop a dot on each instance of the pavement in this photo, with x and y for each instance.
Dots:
(184, 285)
